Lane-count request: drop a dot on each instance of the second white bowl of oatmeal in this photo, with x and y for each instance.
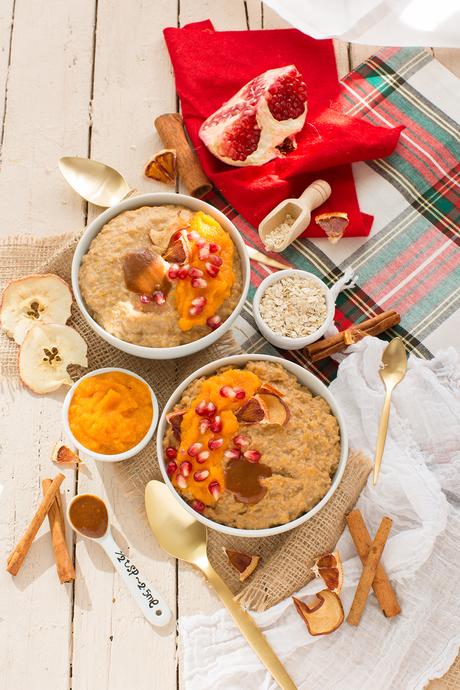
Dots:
(281, 341)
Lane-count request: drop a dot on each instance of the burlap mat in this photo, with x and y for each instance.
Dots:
(286, 558)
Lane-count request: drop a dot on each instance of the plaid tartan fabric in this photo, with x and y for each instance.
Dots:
(411, 261)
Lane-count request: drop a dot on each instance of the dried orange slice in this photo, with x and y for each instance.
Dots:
(162, 167)
(334, 224)
(329, 568)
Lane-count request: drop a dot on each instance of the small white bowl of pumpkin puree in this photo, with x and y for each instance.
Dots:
(110, 414)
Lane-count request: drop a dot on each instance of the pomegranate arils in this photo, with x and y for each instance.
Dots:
(205, 408)
(214, 322)
(201, 475)
(242, 139)
(199, 283)
(199, 301)
(199, 506)
(232, 453)
(181, 481)
(211, 409)
(195, 272)
(286, 99)
(145, 299)
(214, 247)
(203, 456)
(215, 443)
(173, 271)
(241, 441)
(193, 236)
(204, 425)
(194, 449)
(204, 252)
(216, 425)
(171, 467)
(171, 452)
(211, 269)
(183, 272)
(240, 393)
(227, 392)
(252, 455)
(185, 468)
(214, 489)
(215, 260)
(159, 297)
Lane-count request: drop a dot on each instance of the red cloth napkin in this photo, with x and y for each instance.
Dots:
(211, 66)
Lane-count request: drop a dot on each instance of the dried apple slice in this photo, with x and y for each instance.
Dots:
(145, 272)
(252, 412)
(264, 408)
(268, 388)
(325, 617)
(174, 418)
(63, 455)
(45, 354)
(334, 224)
(162, 167)
(43, 298)
(244, 563)
(329, 568)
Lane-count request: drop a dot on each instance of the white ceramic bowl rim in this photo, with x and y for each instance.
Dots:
(313, 383)
(114, 457)
(160, 199)
(284, 341)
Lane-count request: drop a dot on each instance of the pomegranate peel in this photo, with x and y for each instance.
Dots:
(244, 563)
(329, 568)
(334, 224)
(323, 618)
(63, 455)
(162, 167)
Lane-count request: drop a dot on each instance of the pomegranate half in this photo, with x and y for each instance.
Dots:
(259, 122)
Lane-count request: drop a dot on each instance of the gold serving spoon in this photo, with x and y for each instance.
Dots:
(394, 368)
(183, 537)
(104, 186)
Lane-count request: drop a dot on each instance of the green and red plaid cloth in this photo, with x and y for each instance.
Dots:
(411, 261)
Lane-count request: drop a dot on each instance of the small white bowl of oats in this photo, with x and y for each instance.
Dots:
(293, 308)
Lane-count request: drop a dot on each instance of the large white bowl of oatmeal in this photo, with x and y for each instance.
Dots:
(252, 445)
(161, 275)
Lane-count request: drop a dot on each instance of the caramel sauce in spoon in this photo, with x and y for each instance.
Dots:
(243, 479)
(88, 515)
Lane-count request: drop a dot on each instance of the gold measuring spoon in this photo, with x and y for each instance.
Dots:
(183, 537)
(394, 368)
(104, 186)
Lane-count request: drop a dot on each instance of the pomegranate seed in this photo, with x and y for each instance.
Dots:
(199, 301)
(173, 271)
(214, 489)
(287, 97)
(171, 467)
(195, 311)
(241, 139)
(214, 443)
(183, 272)
(171, 452)
(203, 456)
(194, 449)
(195, 272)
(214, 248)
(201, 408)
(201, 243)
(240, 393)
(199, 283)
(193, 236)
(159, 297)
(215, 260)
(252, 455)
(211, 270)
(181, 482)
(214, 322)
(211, 409)
(241, 441)
(185, 468)
(204, 426)
(216, 424)
(201, 475)
(199, 506)
(227, 392)
(203, 252)
(145, 299)
(232, 453)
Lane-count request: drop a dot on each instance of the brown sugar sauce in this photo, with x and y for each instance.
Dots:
(88, 515)
(243, 479)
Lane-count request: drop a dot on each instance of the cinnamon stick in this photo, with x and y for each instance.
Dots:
(64, 565)
(170, 127)
(337, 343)
(381, 585)
(369, 569)
(18, 554)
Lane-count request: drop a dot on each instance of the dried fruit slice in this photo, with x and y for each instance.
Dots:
(329, 567)
(268, 388)
(334, 224)
(323, 618)
(33, 299)
(252, 412)
(145, 272)
(259, 122)
(178, 249)
(175, 419)
(264, 408)
(244, 563)
(45, 354)
(162, 167)
(63, 455)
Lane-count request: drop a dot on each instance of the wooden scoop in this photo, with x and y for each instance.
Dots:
(300, 209)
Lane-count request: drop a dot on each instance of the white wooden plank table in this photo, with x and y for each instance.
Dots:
(88, 78)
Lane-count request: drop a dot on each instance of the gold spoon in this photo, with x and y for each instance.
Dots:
(104, 186)
(183, 537)
(394, 368)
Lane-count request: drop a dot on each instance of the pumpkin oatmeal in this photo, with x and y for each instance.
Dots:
(161, 276)
(251, 448)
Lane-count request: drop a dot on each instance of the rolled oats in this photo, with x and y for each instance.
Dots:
(294, 306)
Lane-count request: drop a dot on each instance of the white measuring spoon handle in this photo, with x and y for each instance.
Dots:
(315, 194)
(150, 602)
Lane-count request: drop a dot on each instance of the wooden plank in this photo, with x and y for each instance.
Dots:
(450, 58)
(359, 53)
(132, 84)
(6, 38)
